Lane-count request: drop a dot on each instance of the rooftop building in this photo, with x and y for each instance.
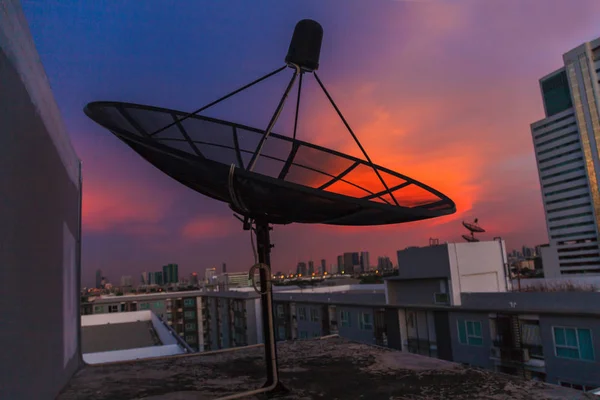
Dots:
(439, 274)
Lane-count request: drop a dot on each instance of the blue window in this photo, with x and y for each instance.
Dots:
(188, 302)
(345, 318)
(366, 323)
(303, 335)
(144, 306)
(469, 332)
(573, 343)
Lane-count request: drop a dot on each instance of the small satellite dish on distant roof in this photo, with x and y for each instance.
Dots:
(473, 227)
(285, 182)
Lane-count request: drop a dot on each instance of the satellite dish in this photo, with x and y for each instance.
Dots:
(268, 178)
(473, 227)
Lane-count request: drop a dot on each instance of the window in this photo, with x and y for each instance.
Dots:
(169, 316)
(189, 314)
(98, 309)
(345, 318)
(314, 315)
(281, 332)
(113, 308)
(159, 304)
(573, 343)
(190, 339)
(316, 334)
(280, 313)
(441, 298)
(302, 313)
(190, 326)
(144, 306)
(189, 302)
(303, 335)
(366, 322)
(469, 332)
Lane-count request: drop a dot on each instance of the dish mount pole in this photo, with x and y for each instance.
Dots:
(263, 243)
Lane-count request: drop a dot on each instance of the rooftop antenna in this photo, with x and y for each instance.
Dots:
(288, 181)
(473, 227)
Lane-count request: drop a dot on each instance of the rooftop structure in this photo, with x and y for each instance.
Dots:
(439, 274)
(323, 368)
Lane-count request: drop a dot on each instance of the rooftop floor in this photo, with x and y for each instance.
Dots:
(118, 336)
(331, 368)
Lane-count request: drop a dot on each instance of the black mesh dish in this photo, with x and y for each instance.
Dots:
(292, 181)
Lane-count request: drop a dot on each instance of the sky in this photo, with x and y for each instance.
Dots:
(442, 91)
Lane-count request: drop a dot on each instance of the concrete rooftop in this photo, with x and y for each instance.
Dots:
(330, 368)
(129, 335)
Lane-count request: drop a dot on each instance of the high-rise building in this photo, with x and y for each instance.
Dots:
(170, 273)
(567, 144)
(311, 267)
(98, 278)
(351, 262)
(323, 267)
(340, 264)
(384, 264)
(194, 279)
(144, 278)
(365, 264)
(210, 275)
(224, 270)
(126, 280)
(301, 268)
(156, 278)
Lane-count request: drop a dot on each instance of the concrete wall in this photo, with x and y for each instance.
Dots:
(424, 262)
(415, 291)
(566, 370)
(40, 229)
(476, 267)
(535, 301)
(550, 262)
(463, 353)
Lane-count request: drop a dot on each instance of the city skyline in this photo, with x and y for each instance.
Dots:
(475, 147)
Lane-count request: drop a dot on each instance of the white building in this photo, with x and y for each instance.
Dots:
(365, 263)
(126, 280)
(440, 274)
(567, 144)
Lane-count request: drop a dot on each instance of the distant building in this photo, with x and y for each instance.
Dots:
(194, 279)
(210, 275)
(224, 270)
(311, 267)
(126, 280)
(233, 280)
(365, 264)
(566, 149)
(340, 264)
(156, 278)
(384, 264)
(144, 278)
(323, 267)
(301, 268)
(98, 278)
(351, 262)
(170, 274)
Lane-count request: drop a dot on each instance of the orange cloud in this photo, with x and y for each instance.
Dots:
(208, 228)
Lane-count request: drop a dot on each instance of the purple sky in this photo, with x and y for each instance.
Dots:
(442, 91)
